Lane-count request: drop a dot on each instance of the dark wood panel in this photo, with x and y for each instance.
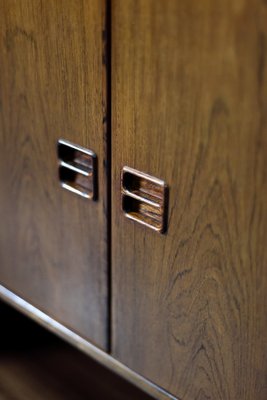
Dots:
(52, 85)
(189, 91)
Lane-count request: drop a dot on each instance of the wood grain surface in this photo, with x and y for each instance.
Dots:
(189, 101)
(53, 250)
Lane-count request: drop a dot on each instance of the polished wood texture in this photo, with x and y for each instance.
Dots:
(189, 100)
(53, 250)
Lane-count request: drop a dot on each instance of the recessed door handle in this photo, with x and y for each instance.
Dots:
(77, 169)
(144, 199)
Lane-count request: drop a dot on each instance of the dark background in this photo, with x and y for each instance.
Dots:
(36, 365)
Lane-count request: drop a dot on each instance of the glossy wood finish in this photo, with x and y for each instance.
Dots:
(189, 100)
(53, 249)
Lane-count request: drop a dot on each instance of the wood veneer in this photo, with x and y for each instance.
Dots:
(53, 244)
(189, 100)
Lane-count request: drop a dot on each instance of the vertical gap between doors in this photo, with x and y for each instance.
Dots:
(108, 162)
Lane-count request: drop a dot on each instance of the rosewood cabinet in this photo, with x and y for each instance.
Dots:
(171, 96)
(189, 102)
(53, 244)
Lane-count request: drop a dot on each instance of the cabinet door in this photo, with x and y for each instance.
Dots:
(189, 91)
(53, 250)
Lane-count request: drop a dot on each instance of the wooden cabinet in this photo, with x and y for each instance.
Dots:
(173, 89)
(53, 244)
(189, 104)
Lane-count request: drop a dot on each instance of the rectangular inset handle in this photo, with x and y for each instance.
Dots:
(77, 169)
(144, 199)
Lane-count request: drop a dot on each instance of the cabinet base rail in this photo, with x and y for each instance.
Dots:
(86, 347)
